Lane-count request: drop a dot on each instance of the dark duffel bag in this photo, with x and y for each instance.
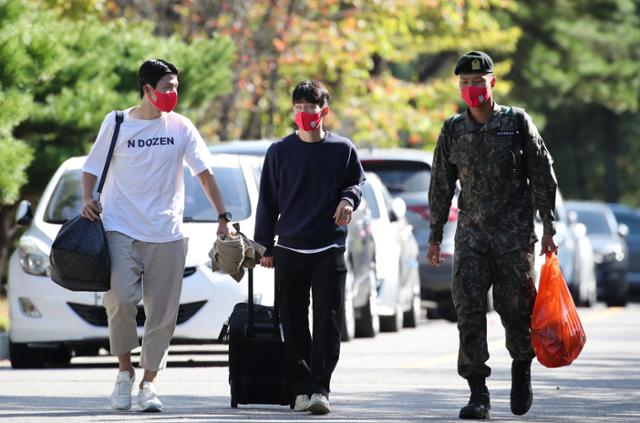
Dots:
(80, 256)
(80, 253)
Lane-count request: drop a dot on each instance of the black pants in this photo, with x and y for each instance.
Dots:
(311, 361)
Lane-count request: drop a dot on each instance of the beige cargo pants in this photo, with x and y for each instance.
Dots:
(152, 272)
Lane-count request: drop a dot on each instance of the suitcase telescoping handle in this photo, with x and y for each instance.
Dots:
(250, 308)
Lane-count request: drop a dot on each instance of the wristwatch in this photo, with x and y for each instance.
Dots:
(226, 216)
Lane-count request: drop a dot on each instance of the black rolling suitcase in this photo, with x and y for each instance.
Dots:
(257, 363)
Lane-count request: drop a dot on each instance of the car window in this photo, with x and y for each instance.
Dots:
(370, 197)
(595, 221)
(388, 200)
(66, 201)
(632, 221)
(400, 175)
(234, 191)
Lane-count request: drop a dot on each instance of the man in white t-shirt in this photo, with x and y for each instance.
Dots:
(143, 199)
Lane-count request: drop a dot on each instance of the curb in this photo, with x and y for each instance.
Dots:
(4, 346)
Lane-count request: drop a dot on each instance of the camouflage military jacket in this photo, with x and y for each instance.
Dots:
(503, 180)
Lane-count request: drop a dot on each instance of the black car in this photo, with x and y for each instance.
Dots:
(630, 217)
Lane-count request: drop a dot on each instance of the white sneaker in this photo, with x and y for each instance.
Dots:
(147, 398)
(319, 404)
(121, 395)
(302, 403)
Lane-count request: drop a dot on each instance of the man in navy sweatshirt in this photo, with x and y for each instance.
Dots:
(311, 183)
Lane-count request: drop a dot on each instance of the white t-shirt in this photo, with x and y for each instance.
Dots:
(143, 194)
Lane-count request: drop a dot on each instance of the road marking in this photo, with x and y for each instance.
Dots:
(600, 314)
(494, 343)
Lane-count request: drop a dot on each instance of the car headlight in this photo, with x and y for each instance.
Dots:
(33, 260)
(615, 254)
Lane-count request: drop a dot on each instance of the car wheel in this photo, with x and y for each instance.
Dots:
(447, 310)
(619, 298)
(592, 297)
(617, 301)
(411, 317)
(368, 324)
(576, 295)
(24, 357)
(348, 321)
(391, 323)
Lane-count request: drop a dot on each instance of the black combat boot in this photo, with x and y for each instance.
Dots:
(479, 405)
(521, 393)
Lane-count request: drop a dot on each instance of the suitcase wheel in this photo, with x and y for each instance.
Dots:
(234, 402)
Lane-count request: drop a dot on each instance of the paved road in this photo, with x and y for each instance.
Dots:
(409, 376)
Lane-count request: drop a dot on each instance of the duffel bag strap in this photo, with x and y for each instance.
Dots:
(114, 139)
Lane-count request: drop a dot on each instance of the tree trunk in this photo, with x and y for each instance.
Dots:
(580, 164)
(610, 145)
(7, 230)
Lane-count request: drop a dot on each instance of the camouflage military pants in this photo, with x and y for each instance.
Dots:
(512, 277)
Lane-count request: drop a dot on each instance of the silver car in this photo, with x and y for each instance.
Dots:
(407, 173)
(611, 253)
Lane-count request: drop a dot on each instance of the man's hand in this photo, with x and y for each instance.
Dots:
(226, 229)
(343, 213)
(548, 245)
(433, 255)
(91, 209)
(267, 262)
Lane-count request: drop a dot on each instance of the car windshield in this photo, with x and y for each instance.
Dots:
(595, 221)
(401, 176)
(370, 197)
(632, 221)
(66, 201)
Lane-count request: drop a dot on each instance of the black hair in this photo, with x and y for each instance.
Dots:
(152, 71)
(311, 92)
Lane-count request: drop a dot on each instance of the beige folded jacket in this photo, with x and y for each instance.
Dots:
(232, 254)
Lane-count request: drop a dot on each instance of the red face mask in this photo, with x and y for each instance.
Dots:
(475, 96)
(165, 102)
(308, 121)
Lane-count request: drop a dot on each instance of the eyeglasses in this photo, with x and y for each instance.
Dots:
(306, 107)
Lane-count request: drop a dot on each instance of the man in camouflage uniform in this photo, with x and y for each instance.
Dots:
(505, 174)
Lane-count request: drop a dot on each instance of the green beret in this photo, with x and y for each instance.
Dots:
(474, 62)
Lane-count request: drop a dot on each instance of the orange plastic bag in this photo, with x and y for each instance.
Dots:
(556, 332)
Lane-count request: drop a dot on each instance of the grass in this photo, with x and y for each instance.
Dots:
(4, 314)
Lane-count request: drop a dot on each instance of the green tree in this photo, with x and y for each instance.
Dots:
(98, 73)
(56, 90)
(576, 67)
(387, 63)
(27, 56)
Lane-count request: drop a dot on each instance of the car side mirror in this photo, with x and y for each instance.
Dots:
(579, 229)
(398, 209)
(623, 230)
(24, 214)
(573, 217)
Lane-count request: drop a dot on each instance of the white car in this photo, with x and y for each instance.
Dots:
(396, 258)
(49, 324)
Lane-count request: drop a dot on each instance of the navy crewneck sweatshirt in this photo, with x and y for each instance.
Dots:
(300, 188)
